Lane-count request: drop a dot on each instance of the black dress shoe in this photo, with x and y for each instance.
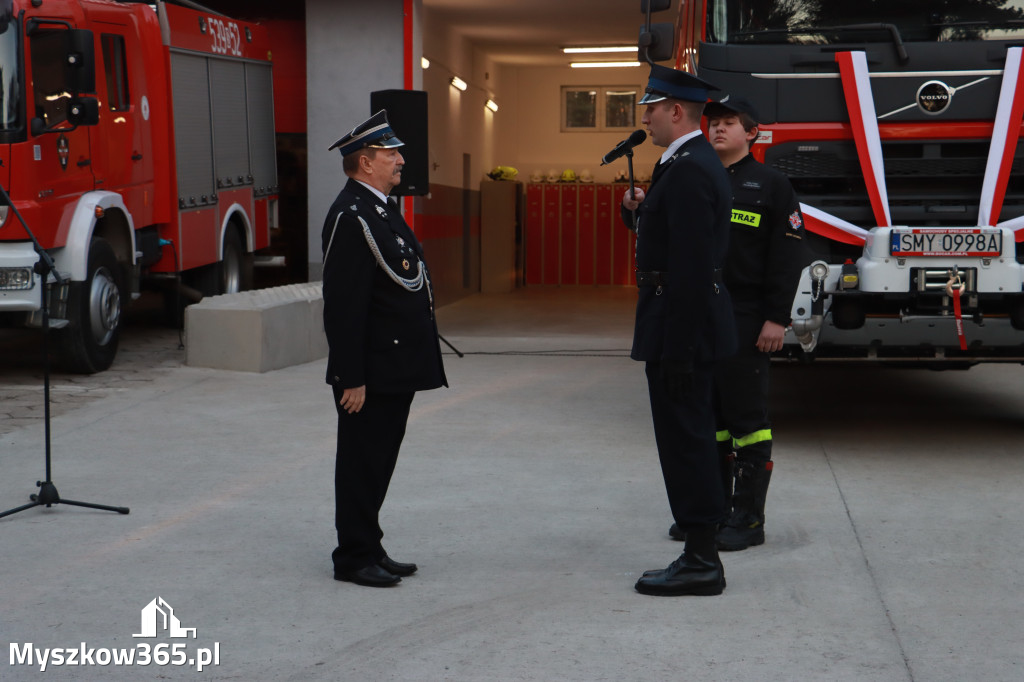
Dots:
(370, 576)
(676, 533)
(684, 576)
(397, 568)
(697, 571)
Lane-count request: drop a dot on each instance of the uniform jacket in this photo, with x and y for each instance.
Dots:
(380, 334)
(682, 230)
(766, 248)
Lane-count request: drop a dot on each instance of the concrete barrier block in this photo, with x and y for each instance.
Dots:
(257, 331)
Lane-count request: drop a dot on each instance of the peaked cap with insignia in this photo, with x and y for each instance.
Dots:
(373, 132)
(666, 83)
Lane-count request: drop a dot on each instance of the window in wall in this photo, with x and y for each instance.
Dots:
(116, 70)
(598, 108)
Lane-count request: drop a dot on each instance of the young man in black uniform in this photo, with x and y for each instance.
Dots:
(379, 319)
(762, 270)
(683, 320)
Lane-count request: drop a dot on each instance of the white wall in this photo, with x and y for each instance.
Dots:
(352, 49)
(528, 127)
(458, 121)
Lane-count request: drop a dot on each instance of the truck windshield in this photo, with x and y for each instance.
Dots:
(821, 22)
(10, 86)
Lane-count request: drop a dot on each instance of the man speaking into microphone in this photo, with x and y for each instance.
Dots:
(684, 320)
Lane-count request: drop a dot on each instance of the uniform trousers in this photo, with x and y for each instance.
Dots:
(741, 390)
(685, 433)
(368, 444)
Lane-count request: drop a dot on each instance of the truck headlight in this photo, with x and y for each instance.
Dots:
(16, 278)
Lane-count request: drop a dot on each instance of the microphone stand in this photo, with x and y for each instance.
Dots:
(632, 186)
(45, 267)
(447, 343)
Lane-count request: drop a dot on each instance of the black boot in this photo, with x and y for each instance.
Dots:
(745, 527)
(726, 464)
(697, 571)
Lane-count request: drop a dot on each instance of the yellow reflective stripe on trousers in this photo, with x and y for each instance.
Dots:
(746, 218)
(751, 438)
(722, 436)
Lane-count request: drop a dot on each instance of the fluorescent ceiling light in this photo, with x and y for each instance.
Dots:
(458, 83)
(599, 65)
(492, 105)
(607, 48)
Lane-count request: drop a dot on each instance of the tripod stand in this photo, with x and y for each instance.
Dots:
(48, 494)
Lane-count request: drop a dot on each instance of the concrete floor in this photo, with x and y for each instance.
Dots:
(529, 494)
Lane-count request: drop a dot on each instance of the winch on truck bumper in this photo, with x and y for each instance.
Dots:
(896, 302)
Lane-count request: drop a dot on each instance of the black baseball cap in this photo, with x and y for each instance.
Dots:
(731, 104)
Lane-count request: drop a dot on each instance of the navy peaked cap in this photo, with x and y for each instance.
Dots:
(373, 132)
(666, 83)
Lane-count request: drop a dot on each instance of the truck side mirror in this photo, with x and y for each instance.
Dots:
(81, 62)
(657, 42)
(84, 111)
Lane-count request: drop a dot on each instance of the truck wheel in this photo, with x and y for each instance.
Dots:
(88, 343)
(236, 268)
(230, 275)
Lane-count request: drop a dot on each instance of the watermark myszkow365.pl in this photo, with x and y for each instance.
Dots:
(157, 618)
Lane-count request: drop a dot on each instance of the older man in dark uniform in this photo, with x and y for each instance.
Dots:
(379, 319)
(683, 320)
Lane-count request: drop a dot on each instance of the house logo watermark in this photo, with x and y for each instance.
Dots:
(157, 620)
(158, 615)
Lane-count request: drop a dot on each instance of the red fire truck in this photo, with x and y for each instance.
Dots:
(898, 124)
(137, 142)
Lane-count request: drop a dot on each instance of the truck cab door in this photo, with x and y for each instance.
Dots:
(60, 159)
(124, 150)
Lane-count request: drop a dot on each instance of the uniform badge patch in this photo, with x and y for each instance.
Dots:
(751, 184)
(381, 211)
(746, 218)
(353, 208)
(405, 264)
(401, 242)
(795, 222)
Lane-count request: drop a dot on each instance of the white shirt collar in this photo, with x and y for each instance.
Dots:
(672, 148)
(380, 195)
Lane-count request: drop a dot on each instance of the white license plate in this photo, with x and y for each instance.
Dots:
(977, 242)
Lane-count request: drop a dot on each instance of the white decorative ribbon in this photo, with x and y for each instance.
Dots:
(853, 71)
(1004, 140)
(828, 225)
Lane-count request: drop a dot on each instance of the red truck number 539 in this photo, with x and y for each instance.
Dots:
(227, 39)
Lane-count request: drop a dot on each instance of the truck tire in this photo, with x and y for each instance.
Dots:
(236, 268)
(230, 275)
(88, 343)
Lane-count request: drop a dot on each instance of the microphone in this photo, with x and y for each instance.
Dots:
(624, 147)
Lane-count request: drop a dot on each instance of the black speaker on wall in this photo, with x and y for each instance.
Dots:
(407, 114)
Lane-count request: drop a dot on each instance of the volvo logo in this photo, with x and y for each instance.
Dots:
(934, 97)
